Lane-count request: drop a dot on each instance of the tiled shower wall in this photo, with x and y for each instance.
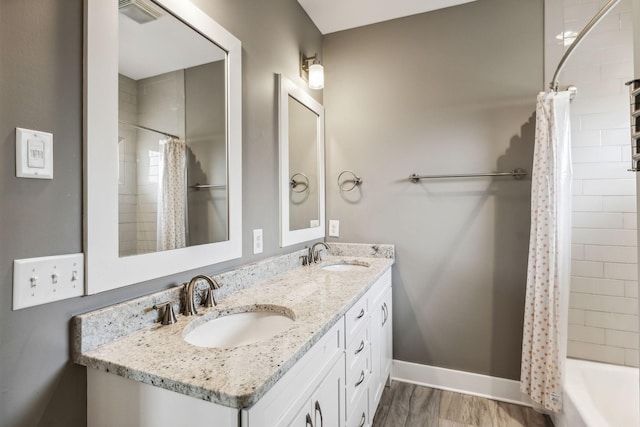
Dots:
(603, 315)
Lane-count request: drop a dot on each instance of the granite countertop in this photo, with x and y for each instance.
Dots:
(237, 377)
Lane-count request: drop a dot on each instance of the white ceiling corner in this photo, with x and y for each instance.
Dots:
(337, 15)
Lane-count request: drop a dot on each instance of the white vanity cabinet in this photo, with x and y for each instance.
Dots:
(336, 383)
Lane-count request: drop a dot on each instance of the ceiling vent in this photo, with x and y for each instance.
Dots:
(141, 11)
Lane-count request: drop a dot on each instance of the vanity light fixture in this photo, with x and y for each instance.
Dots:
(312, 71)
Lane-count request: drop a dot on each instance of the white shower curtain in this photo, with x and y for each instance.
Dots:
(544, 340)
(172, 194)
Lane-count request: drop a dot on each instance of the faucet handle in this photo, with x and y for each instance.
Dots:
(209, 301)
(168, 316)
(305, 259)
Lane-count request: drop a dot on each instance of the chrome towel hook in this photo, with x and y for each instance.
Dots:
(349, 184)
(302, 182)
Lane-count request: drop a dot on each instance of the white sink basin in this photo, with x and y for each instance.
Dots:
(345, 266)
(238, 329)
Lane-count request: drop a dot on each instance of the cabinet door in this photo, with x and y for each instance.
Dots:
(303, 418)
(327, 401)
(387, 336)
(377, 381)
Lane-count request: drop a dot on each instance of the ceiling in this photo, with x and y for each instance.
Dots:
(337, 15)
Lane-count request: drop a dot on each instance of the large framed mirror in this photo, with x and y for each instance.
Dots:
(163, 165)
(301, 147)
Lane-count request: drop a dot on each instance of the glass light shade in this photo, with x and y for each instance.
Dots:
(316, 76)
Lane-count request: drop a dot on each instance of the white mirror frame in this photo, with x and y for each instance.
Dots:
(105, 270)
(287, 88)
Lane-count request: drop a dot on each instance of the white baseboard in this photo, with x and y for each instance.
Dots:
(459, 381)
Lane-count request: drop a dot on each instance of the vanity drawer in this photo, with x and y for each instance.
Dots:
(357, 381)
(360, 415)
(358, 349)
(355, 319)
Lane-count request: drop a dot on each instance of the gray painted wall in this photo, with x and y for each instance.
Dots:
(41, 87)
(443, 92)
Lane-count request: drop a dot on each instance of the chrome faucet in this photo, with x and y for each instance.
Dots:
(314, 254)
(190, 305)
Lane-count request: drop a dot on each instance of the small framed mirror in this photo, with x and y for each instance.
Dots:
(301, 146)
(162, 141)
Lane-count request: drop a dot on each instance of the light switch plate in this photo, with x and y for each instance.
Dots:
(41, 280)
(34, 154)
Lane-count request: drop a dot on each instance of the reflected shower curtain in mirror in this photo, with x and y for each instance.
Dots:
(172, 194)
(544, 340)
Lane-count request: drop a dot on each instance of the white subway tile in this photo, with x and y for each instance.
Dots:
(587, 269)
(631, 289)
(596, 154)
(618, 321)
(621, 254)
(596, 352)
(619, 137)
(605, 237)
(589, 138)
(631, 358)
(620, 271)
(619, 204)
(626, 21)
(610, 23)
(621, 305)
(613, 120)
(603, 170)
(576, 187)
(613, 53)
(599, 103)
(597, 220)
(587, 203)
(603, 88)
(588, 334)
(579, 13)
(630, 221)
(576, 316)
(607, 39)
(592, 285)
(577, 252)
(614, 338)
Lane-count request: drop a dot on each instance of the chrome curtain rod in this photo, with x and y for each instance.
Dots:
(149, 129)
(516, 174)
(586, 30)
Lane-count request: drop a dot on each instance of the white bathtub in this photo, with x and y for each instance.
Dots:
(600, 395)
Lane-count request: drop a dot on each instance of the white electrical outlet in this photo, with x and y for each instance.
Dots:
(257, 241)
(41, 280)
(334, 228)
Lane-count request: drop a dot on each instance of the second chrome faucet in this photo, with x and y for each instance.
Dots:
(208, 301)
(314, 254)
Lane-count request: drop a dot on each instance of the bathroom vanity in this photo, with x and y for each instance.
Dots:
(328, 368)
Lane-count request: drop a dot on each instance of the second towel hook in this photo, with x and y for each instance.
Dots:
(349, 184)
(303, 181)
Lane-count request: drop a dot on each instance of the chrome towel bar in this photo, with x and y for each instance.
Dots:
(518, 173)
(198, 187)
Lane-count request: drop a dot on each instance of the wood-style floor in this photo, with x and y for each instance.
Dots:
(408, 405)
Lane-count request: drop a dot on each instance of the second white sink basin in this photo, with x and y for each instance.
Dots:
(345, 266)
(238, 329)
